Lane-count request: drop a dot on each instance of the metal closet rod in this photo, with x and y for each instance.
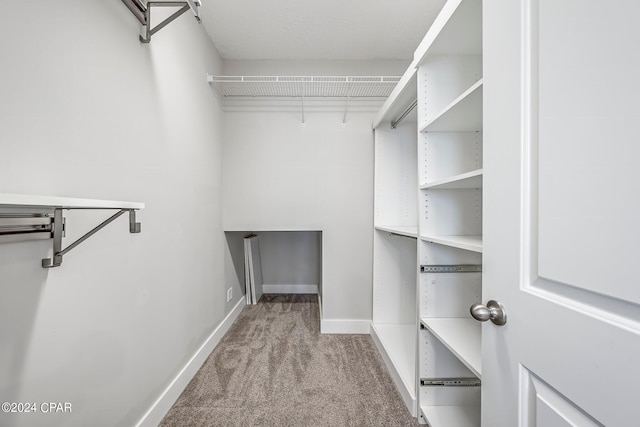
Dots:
(395, 123)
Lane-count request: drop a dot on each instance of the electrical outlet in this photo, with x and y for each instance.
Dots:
(229, 294)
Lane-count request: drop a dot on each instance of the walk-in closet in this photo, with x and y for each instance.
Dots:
(319, 213)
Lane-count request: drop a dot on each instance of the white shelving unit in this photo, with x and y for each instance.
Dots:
(395, 321)
(450, 92)
(428, 212)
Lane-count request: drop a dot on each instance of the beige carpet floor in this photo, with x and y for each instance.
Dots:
(274, 368)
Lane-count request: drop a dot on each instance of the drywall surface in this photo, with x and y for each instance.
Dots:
(279, 175)
(88, 111)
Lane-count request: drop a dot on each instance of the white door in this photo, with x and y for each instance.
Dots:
(562, 212)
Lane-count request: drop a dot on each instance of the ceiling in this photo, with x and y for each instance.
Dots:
(318, 29)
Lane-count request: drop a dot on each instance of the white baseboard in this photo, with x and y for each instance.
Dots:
(161, 406)
(345, 326)
(289, 289)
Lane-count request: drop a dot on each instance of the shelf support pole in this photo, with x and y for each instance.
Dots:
(346, 104)
(58, 233)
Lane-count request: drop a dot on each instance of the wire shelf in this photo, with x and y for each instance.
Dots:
(304, 86)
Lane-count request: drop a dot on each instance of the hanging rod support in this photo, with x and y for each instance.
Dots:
(395, 123)
(142, 11)
(59, 230)
(163, 24)
(346, 104)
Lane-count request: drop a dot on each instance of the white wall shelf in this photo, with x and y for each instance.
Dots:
(48, 222)
(469, 243)
(23, 200)
(399, 230)
(302, 93)
(304, 86)
(462, 336)
(469, 180)
(446, 416)
(464, 114)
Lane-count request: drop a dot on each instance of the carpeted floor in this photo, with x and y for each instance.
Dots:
(274, 368)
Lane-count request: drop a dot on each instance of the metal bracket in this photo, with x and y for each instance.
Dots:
(461, 268)
(450, 382)
(59, 231)
(141, 9)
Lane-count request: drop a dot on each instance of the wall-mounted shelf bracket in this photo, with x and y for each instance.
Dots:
(58, 231)
(450, 382)
(141, 9)
(462, 268)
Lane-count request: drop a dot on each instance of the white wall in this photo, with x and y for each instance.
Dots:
(88, 111)
(280, 175)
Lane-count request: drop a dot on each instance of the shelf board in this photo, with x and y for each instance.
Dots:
(456, 31)
(445, 416)
(468, 180)
(23, 200)
(462, 336)
(401, 97)
(408, 231)
(396, 342)
(470, 243)
(464, 114)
